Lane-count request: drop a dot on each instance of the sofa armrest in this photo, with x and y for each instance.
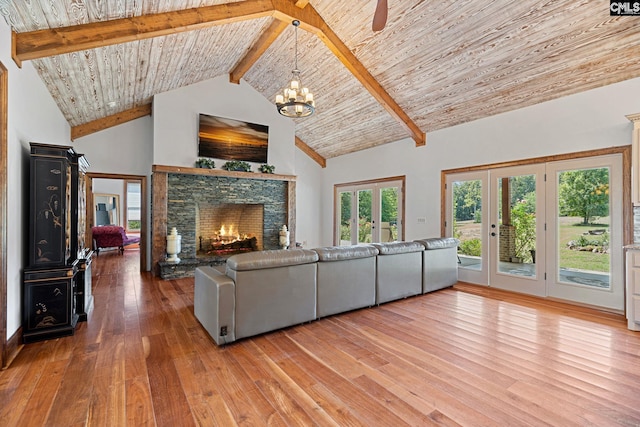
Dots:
(214, 304)
(439, 263)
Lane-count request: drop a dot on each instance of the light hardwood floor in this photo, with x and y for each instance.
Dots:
(463, 356)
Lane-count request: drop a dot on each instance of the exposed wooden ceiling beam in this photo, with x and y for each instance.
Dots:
(56, 41)
(311, 21)
(261, 45)
(311, 152)
(110, 121)
(302, 3)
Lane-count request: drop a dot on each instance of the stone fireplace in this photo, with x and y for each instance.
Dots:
(199, 202)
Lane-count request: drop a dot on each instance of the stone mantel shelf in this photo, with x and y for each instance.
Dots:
(222, 172)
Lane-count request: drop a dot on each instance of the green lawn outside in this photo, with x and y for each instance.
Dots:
(571, 229)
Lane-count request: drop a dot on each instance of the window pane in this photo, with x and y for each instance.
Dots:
(133, 206)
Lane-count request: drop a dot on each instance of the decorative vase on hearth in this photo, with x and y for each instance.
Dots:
(284, 237)
(173, 246)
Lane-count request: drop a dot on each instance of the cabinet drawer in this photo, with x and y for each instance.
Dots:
(635, 281)
(634, 259)
(636, 309)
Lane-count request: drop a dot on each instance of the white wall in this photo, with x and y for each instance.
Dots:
(175, 122)
(590, 120)
(33, 117)
(123, 149)
(308, 201)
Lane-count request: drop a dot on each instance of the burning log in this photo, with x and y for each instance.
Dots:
(250, 244)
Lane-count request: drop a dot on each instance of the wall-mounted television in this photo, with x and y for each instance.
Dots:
(229, 139)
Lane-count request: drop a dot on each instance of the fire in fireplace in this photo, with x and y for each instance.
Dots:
(228, 229)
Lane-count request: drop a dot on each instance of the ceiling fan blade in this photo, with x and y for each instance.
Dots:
(380, 16)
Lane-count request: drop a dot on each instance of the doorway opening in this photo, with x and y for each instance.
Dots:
(119, 199)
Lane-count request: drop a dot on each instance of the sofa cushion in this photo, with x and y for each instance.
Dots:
(271, 259)
(393, 248)
(439, 242)
(339, 253)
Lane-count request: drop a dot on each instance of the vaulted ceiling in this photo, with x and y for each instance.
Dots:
(436, 63)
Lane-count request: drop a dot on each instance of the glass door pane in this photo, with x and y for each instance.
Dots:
(585, 251)
(365, 203)
(345, 231)
(517, 225)
(583, 227)
(467, 222)
(389, 215)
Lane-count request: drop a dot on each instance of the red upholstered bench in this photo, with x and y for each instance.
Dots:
(111, 236)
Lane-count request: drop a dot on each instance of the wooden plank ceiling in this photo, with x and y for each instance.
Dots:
(435, 65)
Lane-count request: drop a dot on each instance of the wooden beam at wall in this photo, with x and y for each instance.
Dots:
(159, 203)
(302, 3)
(110, 121)
(4, 211)
(56, 41)
(261, 45)
(311, 152)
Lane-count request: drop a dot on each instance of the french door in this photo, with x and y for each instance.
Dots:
(516, 230)
(465, 208)
(552, 229)
(369, 212)
(584, 198)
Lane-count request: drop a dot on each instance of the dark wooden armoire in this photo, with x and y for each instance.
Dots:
(57, 281)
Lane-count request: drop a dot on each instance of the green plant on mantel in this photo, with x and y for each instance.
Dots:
(267, 168)
(205, 163)
(237, 165)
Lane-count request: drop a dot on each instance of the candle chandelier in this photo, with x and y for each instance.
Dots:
(296, 101)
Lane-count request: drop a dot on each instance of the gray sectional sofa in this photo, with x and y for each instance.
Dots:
(268, 290)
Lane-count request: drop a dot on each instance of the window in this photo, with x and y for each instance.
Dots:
(133, 207)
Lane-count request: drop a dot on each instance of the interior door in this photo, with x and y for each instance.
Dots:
(584, 211)
(517, 229)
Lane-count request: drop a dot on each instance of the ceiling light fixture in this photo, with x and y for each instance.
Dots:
(299, 101)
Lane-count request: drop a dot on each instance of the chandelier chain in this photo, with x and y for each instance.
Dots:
(296, 43)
